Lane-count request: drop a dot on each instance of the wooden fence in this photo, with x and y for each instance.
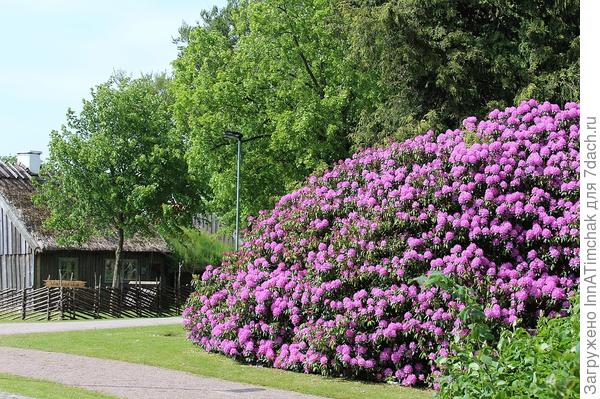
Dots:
(60, 303)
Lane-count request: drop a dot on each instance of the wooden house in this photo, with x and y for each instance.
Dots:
(30, 254)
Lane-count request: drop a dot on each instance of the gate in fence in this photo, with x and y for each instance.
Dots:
(59, 303)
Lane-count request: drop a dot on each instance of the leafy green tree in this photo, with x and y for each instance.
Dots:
(440, 61)
(117, 169)
(313, 80)
(278, 72)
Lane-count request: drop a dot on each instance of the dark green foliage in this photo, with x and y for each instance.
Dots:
(439, 61)
(509, 363)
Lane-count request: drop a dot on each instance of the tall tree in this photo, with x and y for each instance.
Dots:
(117, 168)
(277, 71)
(439, 61)
(313, 80)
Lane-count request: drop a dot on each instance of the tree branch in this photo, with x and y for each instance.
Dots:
(305, 61)
(260, 136)
(231, 142)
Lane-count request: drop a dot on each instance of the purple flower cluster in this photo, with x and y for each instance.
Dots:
(326, 280)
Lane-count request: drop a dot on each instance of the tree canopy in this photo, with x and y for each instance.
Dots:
(311, 80)
(278, 72)
(439, 61)
(116, 168)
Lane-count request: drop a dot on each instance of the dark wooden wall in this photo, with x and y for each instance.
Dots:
(16, 256)
(91, 266)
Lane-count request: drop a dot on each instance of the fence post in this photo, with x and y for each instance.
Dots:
(24, 308)
(48, 301)
(24, 304)
(72, 303)
(72, 300)
(121, 297)
(177, 288)
(97, 297)
(159, 297)
(138, 310)
(61, 306)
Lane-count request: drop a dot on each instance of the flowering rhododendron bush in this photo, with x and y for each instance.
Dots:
(325, 282)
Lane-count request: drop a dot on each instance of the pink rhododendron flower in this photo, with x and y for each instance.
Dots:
(325, 281)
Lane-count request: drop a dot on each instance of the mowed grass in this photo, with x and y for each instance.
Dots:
(166, 346)
(41, 389)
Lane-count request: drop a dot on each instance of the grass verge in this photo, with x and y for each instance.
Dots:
(41, 389)
(166, 346)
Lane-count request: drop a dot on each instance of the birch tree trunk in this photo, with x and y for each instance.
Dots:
(116, 282)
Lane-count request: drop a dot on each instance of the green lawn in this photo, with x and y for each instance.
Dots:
(166, 346)
(41, 389)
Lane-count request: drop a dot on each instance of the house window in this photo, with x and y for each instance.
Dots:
(68, 268)
(129, 268)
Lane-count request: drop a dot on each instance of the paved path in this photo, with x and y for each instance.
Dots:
(128, 380)
(4, 395)
(25, 328)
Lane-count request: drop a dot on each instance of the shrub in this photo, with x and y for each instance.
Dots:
(195, 248)
(520, 365)
(326, 280)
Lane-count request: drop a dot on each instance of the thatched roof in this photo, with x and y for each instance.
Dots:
(16, 189)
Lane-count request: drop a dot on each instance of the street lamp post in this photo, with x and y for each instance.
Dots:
(238, 136)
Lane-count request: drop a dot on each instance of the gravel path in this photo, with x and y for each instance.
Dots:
(128, 380)
(26, 328)
(4, 395)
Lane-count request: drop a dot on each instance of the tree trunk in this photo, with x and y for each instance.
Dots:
(116, 283)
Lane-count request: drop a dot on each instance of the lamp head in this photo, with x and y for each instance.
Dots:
(233, 135)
